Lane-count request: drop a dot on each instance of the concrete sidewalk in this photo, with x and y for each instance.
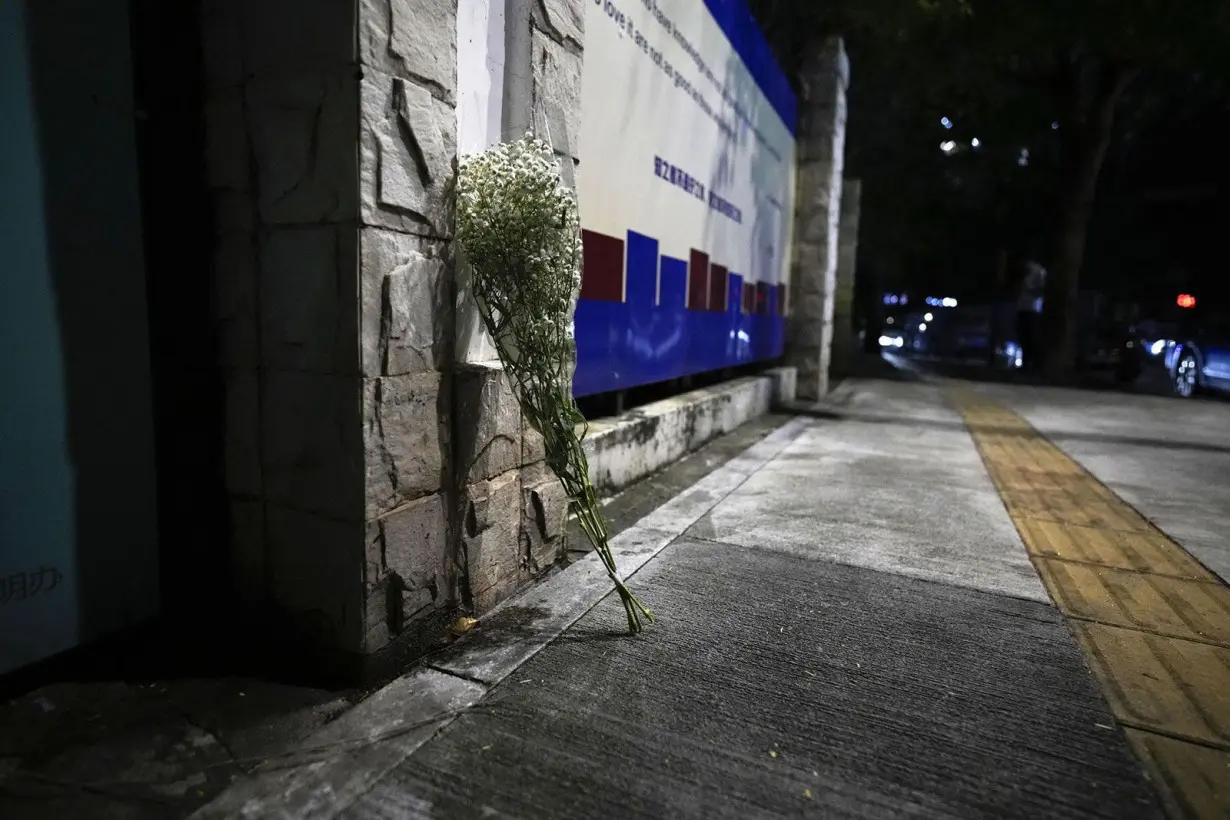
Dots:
(848, 626)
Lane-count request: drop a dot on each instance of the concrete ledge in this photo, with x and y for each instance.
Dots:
(627, 448)
(785, 385)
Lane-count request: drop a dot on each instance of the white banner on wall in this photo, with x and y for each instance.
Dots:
(679, 142)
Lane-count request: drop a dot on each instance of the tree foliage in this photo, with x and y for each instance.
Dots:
(1061, 77)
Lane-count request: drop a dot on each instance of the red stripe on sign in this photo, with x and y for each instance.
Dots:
(698, 280)
(749, 297)
(762, 298)
(602, 267)
(718, 288)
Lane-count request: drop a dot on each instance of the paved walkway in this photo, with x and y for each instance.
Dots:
(856, 618)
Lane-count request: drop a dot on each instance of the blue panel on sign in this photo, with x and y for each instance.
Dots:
(734, 298)
(635, 342)
(642, 274)
(616, 350)
(735, 333)
(674, 283)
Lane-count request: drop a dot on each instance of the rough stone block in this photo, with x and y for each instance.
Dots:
(813, 383)
(247, 550)
(376, 628)
(406, 316)
(563, 20)
(544, 518)
(407, 144)
(533, 448)
(311, 442)
(415, 544)
(491, 538)
(316, 574)
(226, 140)
(308, 286)
(304, 139)
(242, 450)
(286, 36)
(234, 275)
(819, 184)
(826, 65)
(784, 385)
(488, 422)
(406, 437)
(411, 38)
(823, 149)
(810, 261)
(416, 305)
(814, 225)
(557, 93)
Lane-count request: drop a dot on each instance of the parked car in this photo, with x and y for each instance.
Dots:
(1116, 351)
(1198, 359)
(1113, 349)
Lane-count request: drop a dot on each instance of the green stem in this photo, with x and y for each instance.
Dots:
(555, 416)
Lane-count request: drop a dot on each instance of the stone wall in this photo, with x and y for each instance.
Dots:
(821, 158)
(407, 142)
(333, 282)
(376, 479)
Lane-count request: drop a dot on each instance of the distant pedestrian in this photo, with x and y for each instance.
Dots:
(1029, 314)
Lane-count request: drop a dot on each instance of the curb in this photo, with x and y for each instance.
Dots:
(344, 759)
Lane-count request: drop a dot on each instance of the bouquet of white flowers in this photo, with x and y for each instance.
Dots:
(518, 227)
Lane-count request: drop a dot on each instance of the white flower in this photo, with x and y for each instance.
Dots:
(520, 230)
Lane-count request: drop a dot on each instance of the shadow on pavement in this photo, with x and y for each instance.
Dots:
(864, 418)
(874, 366)
(1153, 382)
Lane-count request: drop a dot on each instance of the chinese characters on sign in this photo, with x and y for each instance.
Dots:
(20, 586)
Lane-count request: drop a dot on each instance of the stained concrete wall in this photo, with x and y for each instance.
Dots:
(821, 159)
(78, 538)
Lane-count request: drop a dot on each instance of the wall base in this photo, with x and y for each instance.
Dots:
(629, 447)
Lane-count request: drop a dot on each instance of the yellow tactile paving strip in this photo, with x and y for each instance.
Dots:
(1153, 623)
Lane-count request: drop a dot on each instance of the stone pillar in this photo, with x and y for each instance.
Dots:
(845, 337)
(379, 473)
(330, 139)
(821, 155)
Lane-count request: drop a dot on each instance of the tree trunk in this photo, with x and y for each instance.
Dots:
(1086, 136)
(999, 294)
